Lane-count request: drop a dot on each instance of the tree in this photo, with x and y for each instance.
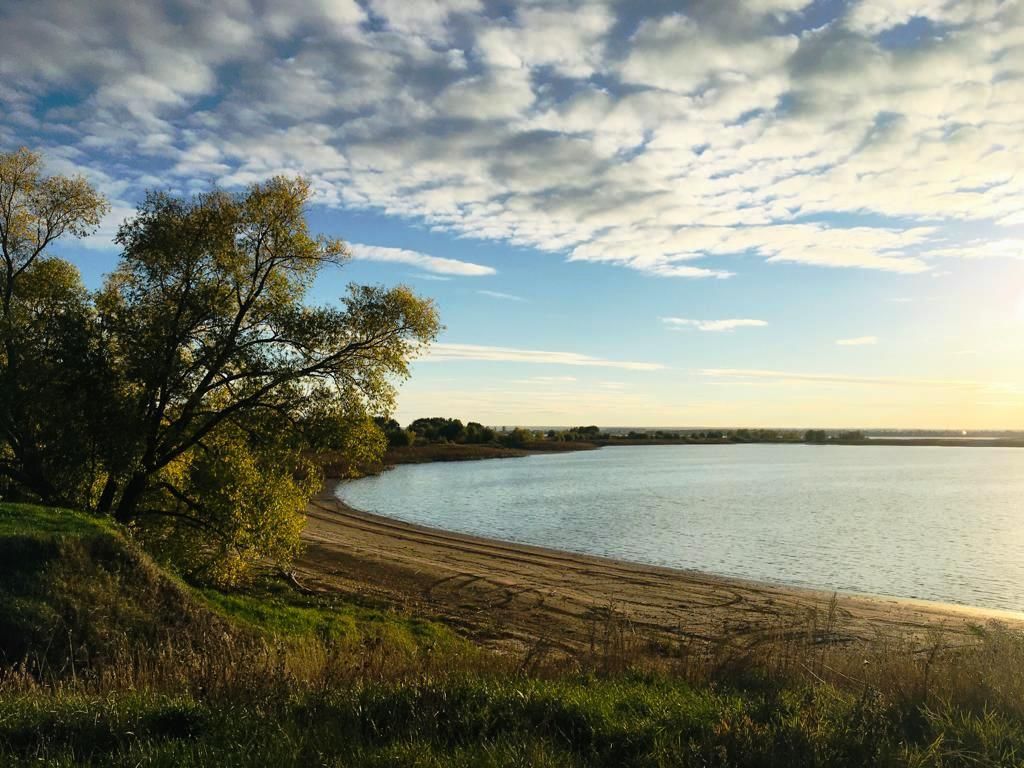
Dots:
(815, 436)
(438, 429)
(202, 376)
(453, 431)
(43, 310)
(394, 434)
(517, 438)
(478, 433)
(220, 358)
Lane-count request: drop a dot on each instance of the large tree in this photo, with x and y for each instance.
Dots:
(202, 376)
(227, 374)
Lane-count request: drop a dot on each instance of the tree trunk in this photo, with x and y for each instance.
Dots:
(107, 497)
(127, 508)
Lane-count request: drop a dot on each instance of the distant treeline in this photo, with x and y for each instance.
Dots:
(438, 429)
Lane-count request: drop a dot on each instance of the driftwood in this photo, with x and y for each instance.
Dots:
(297, 585)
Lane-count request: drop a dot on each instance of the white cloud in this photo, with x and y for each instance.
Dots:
(713, 325)
(747, 374)
(857, 341)
(676, 54)
(1009, 248)
(436, 264)
(103, 238)
(864, 247)
(501, 296)
(423, 17)
(680, 270)
(502, 93)
(448, 352)
(775, 6)
(568, 40)
(677, 145)
(874, 16)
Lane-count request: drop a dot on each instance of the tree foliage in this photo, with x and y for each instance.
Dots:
(201, 376)
(815, 436)
(438, 429)
(43, 312)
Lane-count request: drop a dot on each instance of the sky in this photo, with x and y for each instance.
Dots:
(716, 213)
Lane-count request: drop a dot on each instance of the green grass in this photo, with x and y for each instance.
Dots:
(36, 521)
(72, 583)
(273, 608)
(107, 660)
(483, 721)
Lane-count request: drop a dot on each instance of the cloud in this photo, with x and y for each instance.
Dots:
(502, 296)
(679, 145)
(435, 264)
(776, 6)
(447, 352)
(857, 341)
(429, 18)
(1008, 248)
(676, 53)
(568, 40)
(676, 270)
(746, 374)
(712, 325)
(874, 16)
(103, 238)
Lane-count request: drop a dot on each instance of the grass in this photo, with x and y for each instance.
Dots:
(31, 520)
(109, 660)
(273, 609)
(486, 721)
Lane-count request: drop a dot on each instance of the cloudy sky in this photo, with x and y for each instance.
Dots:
(718, 212)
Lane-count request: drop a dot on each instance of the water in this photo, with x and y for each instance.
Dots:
(935, 523)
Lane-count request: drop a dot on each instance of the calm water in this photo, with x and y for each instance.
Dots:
(935, 523)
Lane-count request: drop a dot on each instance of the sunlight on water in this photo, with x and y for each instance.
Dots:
(934, 523)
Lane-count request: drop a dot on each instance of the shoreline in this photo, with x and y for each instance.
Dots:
(456, 452)
(508, 593)
(425, 454)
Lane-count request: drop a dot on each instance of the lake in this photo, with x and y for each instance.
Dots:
(934, 523)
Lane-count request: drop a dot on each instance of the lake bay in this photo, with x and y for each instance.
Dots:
(935, 523)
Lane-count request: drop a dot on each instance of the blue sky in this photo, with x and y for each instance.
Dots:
(770, 212)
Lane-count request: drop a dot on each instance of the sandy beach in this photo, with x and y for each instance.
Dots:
(505, 593)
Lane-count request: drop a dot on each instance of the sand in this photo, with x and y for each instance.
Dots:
(505, 593)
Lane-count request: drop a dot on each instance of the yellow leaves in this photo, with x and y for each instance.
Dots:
(333, 249)
(19, 170)
(71, 203)
(251, 506)
(35, 210)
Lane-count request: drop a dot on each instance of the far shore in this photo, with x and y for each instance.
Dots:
(508, 594)
(424, 454)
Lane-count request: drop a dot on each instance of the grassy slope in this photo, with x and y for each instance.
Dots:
(166, 675)
(72, 581)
